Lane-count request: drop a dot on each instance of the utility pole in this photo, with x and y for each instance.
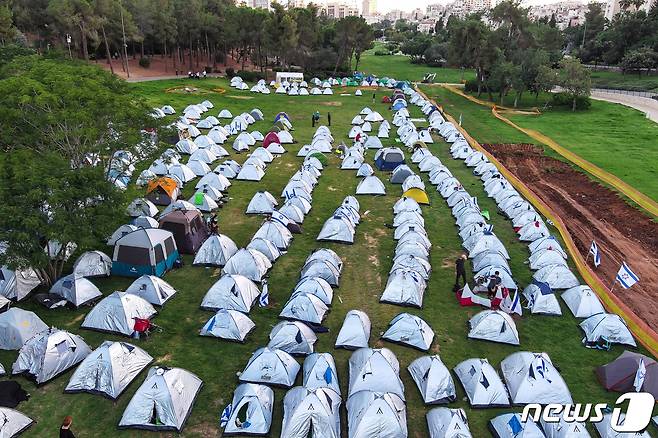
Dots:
(125, 45)
(68, 43)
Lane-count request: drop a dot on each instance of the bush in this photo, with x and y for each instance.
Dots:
(565, 100)
(144, 62)
(230, 72)
(382, 53)
(471, 86)
(251, 76)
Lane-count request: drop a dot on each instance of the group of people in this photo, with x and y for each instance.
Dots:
(315, 118)
(197, 75)
(493, 281)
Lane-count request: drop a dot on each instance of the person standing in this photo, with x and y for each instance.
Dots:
(313, 120)
(493, 285)
(460, 270)
(374, 96)
(329, 119)
(65, 430)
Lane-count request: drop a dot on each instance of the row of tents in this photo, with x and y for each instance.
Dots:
(341, 226)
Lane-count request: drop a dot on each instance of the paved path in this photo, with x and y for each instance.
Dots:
(644, 104)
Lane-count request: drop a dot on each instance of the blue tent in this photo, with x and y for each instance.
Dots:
(144, 252)
(398, 105)
(389, 158)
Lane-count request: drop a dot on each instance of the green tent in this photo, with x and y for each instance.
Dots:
(321, 157)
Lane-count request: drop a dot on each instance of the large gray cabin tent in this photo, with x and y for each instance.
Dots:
(216, 250)
(163, 402)
(433, 380)
(309, 412)
(370, 185)
(511, 426)
(271, 367)
(117, 313)
(606, 327)
(494, 326)
(249, 263)
(375, 370)
(319, 371)
(582, 301)
(410, 330)
(228, 324)
(17, 326)
(93, 264)
(355, 331)
(153, 289)
(382, 413)
(50, 353)
(231, 292)
(13, 423)
(481, 383)
(532, 378)
(448, 423)
(76, 290)
(315, 286)
(562, 429)
(306, 308)
(109, 369)
(337, 229)
(293, 337)
(251, 412)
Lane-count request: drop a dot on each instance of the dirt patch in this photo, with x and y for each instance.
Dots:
(165, 358)
(593, 212)
(374, 260)
(331, 103)
(75, 320)
(204, 429)
(232, 96)
(332, 189)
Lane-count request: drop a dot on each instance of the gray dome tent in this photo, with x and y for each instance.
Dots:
(405, 287)
(109, 369)
(582, 301)
(276, 233)
(293, 337)
(93, 264)
(369, 411)
(433, 380)
(16, 284)
(401, 173)
(532, 378)
(315, 286)
(500, 427)
(375, 370)
(265, 247)
(163, 402)
(228, 324)
(306, 308)
(116, 313)
(216, 250)
(13, 423)
(271, 367)
(607, 326)
(324, 269)
(231, 292)
(371, 185)
(256, 402)
(262, 203)
(494, 326)
(50, 353)
(337, 229)
(448, 423)
(17, 326)
(562, 429)
(249, 263)
(410, 330)
(355, 331)
(76, 290)
(557, 276)
(541, 299)
(320, 372)
(481, 383)
(152, 289)
(309, 412)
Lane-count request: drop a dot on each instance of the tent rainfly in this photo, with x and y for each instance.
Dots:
(320, 372)
(152, 289)
(249, 263)
(76, 290)
(231, 292)
(216, 250)
(293, 337)
(433, 380)
(481, 383)
(369, 411)
(375, 370)
(532, 378)
(606, 327)
(448, 423)
(251, 412)
(311, 412)
(228, 324)
(410, 330)
(271, 367)
(117, 313)
(355, 331)
(494, 326)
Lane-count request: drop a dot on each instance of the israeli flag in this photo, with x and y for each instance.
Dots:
(488, 228)
(639, 376)
(594, 250)
(264, 298)
(280, 218)
(474, 201)
(515, 306)
(626, 277)
(226, 415)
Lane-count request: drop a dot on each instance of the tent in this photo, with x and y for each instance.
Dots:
(93, 264)
(144, 222)
(562, 429)
(228, 324)
(215, 251)
(271, 367)
(17, 326)
(481, 383)
(557, 276)
(117, 313)
(17, 284)
(163, 402)
(448, 423)
(315, 286)
(405, 287)
(76, 290)
(231, 292)
(364, 170)
(410, 330)
(337, 229)
(215, 180)
(388, 158)
(375, 370)
(276, 233)
(319, 371)
(262, 203)
(248, 262)
(606, 327)
(510, 426)
(142, 207)
(582, 301)
(265, 247)
(152, 289)
(605, 429)
(306, 308)
(109, 369)
(203, 201)
(311, 412)
(400, 173)
(293, 337)
(371, 185)
(355, 331)
(188, 228)
(494, 326)
(13, 423)
(383, 413)
(144, 251)
(620, 374)
(251, 172)
(50, 353)
(162, 191)
(251, 410)
(433, 380)
(541, 299)
(532, 378)
(418, 195)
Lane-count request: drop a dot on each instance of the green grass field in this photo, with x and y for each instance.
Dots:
(629, 81)
(366, 266)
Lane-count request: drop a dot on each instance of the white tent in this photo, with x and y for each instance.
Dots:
(306, 308)
(375, 370)
(228, 324)
(405, 287)
(231, 292)
(608, 327)
(433, 380)
(116, 313)
(17, 326)
(383, 413)
(76, 290)
(355, 331)
(163, 402)
(315, 286)
(152, 289)
(249, 263)
(293, 337)
(93, 264)
(532, 378)
(562, 429)
(319, 371)
(481, 383)
(13, 423)
(411, 330)
(494, 326)
(371, 185)
(271, 367)
(604, 428)
(309, 412)
(448, 423)
(276, 233)
(582, 301)
(557, 276)
(216, 250)
(17, 284)
(511, 426)
(251, 172)
(109, 369)
(251, 412)
(142, 207)
(265, 247)
(50, 353)
(337, 229)
(541, 299)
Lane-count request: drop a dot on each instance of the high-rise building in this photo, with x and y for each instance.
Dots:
(259, 4)
(614, 7)
(339, 10)
(368, 7)
(476, 5)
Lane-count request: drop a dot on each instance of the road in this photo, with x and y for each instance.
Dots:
(644, 104)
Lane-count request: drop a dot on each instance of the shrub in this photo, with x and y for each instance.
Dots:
(382, 53)
(144, 62)
(251, 76)
(471, 86)
(230, 72)
(565, 100)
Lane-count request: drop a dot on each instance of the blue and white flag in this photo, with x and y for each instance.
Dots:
(626, 277)
(639, 376)
(264, 298)
(594, 250)
(488, 228)
(512, 305)
(226, 415)
(474, 201)
(280, 218)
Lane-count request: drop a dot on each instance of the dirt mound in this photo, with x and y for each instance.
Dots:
(593, 212)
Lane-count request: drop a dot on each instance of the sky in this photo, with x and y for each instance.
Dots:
(384, 6)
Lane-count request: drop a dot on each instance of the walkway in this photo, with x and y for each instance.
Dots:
(644, 104)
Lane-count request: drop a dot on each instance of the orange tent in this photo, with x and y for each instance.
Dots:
(162, 191)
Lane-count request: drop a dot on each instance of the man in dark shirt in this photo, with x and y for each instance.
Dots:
(460, 269)
(494, 283)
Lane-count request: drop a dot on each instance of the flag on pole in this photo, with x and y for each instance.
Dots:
(626, 277)
(594, 250)
(488, 228)
(511, 305)
(226, 415)
(639, 376)
(264, 298)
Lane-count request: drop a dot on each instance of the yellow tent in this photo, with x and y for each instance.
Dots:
(418, 195)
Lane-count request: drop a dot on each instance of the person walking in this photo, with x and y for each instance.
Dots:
(460, 270)
(65, 430)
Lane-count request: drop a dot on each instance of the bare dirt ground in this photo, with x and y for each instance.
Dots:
(593, 212)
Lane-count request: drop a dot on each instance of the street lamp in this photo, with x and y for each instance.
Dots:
(68, 43)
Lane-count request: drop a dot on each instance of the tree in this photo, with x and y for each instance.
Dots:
(640, 59)
(546, 79)
(7, 29)
(574, 79)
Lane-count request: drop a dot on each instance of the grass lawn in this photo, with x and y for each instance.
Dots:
(614, 79)
(400, 67)
(366, 266)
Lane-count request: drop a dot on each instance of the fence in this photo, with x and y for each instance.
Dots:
(648, 94)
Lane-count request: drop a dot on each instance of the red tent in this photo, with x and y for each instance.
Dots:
(271, 137)
(386, 99)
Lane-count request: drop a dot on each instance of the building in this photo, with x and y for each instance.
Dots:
(395, 15)
(368, 7)
(434, 10)
(297, 4)
(339, 10)
(471, 6)
(259, 4)
(613, 7)
(427, 25)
